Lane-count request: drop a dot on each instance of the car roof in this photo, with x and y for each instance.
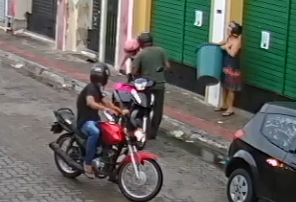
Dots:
(287, 108)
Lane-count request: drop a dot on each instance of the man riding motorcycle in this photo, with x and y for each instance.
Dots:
(145, 64)
(89, 101)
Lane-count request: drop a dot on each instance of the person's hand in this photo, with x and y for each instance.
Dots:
(124, 111)
(112, 111)
(223, 47)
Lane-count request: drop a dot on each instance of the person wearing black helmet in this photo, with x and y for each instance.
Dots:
(146, 64)
(89, 101)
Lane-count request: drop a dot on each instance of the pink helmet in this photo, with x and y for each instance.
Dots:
(131, 45)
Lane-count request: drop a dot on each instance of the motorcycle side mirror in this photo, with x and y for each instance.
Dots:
(160, 69)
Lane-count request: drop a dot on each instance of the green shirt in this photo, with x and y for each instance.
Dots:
(148, 60)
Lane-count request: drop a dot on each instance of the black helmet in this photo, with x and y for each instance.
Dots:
(99, 73)
(145, 39)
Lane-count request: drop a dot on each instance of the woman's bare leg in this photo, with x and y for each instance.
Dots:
(230, 102)
(224, 101)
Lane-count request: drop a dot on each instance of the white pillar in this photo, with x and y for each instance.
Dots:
(118, 32)
(130, 29)
(103, 29)
(218, 33)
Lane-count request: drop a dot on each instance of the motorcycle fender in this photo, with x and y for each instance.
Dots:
(140, 157)
(56, 128)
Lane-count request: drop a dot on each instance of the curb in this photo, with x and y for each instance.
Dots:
(198, 142)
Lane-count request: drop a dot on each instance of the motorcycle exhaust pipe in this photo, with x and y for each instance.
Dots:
(65, 157)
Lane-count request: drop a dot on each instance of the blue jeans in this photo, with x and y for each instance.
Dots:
(90, 128)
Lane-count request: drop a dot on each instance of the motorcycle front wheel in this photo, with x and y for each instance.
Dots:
(139, 189)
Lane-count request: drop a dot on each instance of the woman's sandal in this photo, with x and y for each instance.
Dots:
(221, 109)
(227, 114)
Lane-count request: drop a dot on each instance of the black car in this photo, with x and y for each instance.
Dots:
(262, 157)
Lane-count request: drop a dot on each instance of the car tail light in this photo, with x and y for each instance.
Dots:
(274, 163)
(239, 134)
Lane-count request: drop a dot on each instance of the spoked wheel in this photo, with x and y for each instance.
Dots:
(144, 188)
(73, 151)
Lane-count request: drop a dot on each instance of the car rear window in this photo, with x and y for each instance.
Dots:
(280, 130)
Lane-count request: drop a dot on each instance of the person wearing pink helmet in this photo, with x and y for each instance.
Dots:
(131, 48)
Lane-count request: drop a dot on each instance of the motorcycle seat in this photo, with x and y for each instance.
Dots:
(80, 134)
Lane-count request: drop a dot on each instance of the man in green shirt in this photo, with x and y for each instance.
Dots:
(146, 64)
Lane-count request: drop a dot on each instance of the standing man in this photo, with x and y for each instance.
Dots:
(146, 64)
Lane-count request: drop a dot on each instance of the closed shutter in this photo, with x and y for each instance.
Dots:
(265, 68)
(2, 12)
(194, 35)
(93, 35)
(290, 84)
(43, 17)
(167, 25)
(96, 17)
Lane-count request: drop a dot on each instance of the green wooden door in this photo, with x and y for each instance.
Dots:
(172, 26)
(194, 35)
(167, 26)
(265, 68)
(290, 84)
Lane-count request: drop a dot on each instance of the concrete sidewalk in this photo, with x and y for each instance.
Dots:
(187, 117)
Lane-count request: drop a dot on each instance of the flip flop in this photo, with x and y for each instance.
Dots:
(89, 175)
(227, 114)
(221, 109)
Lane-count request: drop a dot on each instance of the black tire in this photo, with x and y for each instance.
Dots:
(60, 141)
(251, 194)
(150, 196)
(140, 146)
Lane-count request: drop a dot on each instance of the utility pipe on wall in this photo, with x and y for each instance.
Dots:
(103, 29)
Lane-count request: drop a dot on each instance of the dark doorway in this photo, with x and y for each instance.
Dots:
(94, 33)
(111, 31)
(43, 18)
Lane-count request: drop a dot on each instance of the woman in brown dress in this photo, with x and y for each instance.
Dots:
(231, 79)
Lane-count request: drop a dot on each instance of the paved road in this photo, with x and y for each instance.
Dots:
(27, 170)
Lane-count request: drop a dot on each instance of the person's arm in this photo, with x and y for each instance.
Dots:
(136, 65)
(234, 48)
(124, 60)
(110, 105)
(222, 43)
(90, 100)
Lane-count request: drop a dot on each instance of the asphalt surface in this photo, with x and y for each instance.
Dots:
(28, 172)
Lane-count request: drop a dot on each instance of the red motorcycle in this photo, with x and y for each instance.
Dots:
(117, 157)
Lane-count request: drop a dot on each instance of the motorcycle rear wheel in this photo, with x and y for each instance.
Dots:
(61, 165)
(127, 193)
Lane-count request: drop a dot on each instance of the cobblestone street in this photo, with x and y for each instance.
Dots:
(28, 172)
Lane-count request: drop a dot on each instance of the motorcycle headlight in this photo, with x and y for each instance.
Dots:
(140, 135)
(140, 84)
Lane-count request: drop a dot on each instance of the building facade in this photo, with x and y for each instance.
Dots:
(99, 27)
